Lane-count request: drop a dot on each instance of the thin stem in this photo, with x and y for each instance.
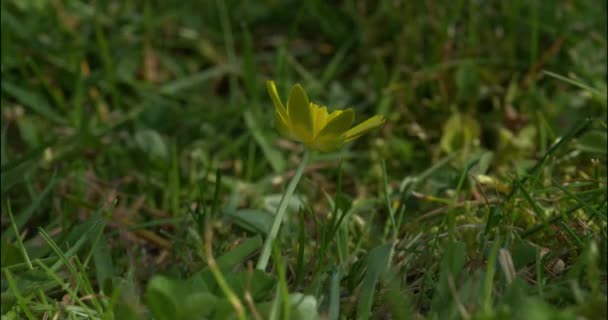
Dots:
(278, 217)
(234, 300)
(389, 207)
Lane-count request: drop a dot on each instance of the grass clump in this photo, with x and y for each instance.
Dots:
(141, 169)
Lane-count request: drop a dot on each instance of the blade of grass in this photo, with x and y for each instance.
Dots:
(229, 43)
(216, 193)
(301, 247)
(21, 247)
(378, 262)
(333, 312)
(249, 67)
(534, 171)
(539, 227)
(234, 300)
(576, 83)
(177, 86)
(590, 210)
(174, 181)
(108, 63)
(387, 201)
(237, 255)
(24, 216)
(73, 293)
(270, 153)
(333, 65)
(409, 184)
(23, 304)
(281, 209)
(284, 289)
(33, 101)
(488, 283)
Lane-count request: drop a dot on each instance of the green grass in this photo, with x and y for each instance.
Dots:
(140, 166)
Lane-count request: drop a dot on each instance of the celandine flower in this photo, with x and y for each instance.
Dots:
(312, 125)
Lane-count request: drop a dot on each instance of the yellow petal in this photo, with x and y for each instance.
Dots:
(282, 126)
(327, 143)
(338, 123)
(276, 100)
(299, 113)
(334, 114)
(364, 127)
(319, 117)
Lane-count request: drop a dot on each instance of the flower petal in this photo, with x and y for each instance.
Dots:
(282, 126)
(363, 127)
(319, 117)
(327, 143)
(334, 114)
(299, 113)
(338, 124)
(276, 100)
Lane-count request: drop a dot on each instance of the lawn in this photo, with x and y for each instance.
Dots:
(148, 170)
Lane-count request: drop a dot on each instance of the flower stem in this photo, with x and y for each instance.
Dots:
(278, 217)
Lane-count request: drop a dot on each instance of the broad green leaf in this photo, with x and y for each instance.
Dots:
(303, 307)
(126, 311)
(151, 143)
(160, 298)
(254, 220)
(261, 284)
(178, 299)
(271, 202)
(238, 255)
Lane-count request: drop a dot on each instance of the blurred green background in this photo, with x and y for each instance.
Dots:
(129, 126)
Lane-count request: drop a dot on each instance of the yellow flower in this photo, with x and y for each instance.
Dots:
(312, 125)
